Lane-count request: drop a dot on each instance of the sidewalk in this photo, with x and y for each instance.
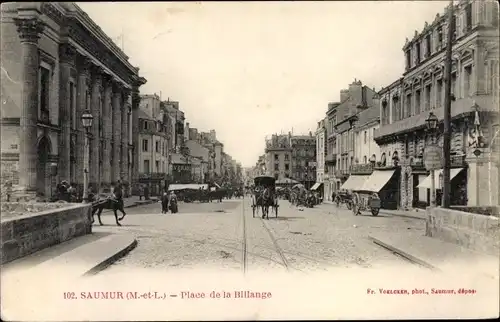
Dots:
(77, 257)
(420, 214)
(438, 255)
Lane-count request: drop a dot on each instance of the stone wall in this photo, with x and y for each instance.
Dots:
(477, 232)
(30, 232)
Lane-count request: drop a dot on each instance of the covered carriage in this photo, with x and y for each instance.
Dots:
(264, 195)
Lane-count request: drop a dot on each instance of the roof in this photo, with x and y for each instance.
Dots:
(178, 159)
(368, 115)
(197, 149)
(144, 115)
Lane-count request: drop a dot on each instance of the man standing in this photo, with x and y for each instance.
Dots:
(118, 195)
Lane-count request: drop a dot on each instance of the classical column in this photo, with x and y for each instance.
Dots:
(29, 32)
(107, 124)
(83, 67)
(136, 99)
(67, 55)
(96, 140)
(117, 122)
(124, 135)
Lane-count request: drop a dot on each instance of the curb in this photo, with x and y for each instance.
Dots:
(401, 215)
(409, 257)
(110, 260)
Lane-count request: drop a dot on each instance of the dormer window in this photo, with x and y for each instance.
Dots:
(408, 58)
(417, 52)
(440, 38)
(428, 46)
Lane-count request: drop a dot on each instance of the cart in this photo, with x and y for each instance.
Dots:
(366, 201)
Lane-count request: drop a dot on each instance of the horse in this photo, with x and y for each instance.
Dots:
(108, 203)
(266, 201)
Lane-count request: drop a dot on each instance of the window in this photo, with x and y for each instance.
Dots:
(364, 159)
(276, 167)
(417, 52)
(467, 80)
(454, 26)
(145, 145)
(146, 166)
(453, 83)
(276, 157)
(44, 94)
(408, 59)
(407, 112)
(287, 167)
(417, 102)
(157, 164)
(157, 146)
(72, 105)
(439, 93)
(428, 46)
(439, 38)
(468, 16)
(427, 103)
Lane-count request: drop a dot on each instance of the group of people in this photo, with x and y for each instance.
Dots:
(169, 202)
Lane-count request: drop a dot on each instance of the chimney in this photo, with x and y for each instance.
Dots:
(310, 133)
(375, 101)
(356, 92)
(344, 95)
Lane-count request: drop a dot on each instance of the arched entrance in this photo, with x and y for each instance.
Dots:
(42, 173)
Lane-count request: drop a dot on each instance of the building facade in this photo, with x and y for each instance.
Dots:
(56, 64)
(366, 150)
(154, 137)
(321, 154)
(406, 104)
(278, 157)
(303, 159)
(330, 182)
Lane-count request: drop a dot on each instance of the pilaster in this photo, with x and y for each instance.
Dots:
(67, 56)
(29, 31)
(124, 135)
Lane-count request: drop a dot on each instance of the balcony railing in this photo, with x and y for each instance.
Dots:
(153, 175)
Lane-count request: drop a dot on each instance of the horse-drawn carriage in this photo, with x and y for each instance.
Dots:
(343, 197)
(264, 196)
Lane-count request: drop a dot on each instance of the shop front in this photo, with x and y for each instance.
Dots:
(153, 184)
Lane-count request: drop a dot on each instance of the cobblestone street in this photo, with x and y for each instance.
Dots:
(226, 236)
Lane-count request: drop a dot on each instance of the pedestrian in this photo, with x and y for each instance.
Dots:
(164, 203)
(141, 191)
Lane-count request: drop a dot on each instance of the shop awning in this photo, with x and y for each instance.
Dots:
(316, 186)
(187, 186)
(354, 182)
(427, 183)
(377, 180)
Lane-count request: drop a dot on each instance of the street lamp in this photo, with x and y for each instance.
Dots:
(432, 123)
(87, 119)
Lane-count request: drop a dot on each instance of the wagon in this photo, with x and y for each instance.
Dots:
(258, 200)
(366, 201)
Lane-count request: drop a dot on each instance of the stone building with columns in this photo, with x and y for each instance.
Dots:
(406, 104)
(57, 63)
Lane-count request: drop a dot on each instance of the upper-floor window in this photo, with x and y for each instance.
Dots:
(467, 80)
(145, 125)
(439, 44)
(408, 58)
(427, 103)
(44, 94)
(417, 52)
(407, 112)
(146, 166)
(157, 164)
(145, 145)
(365, 137)
(157, 146)
(428, 45)
(468, 16)
(287, 167)
(417, 102)
(276, 157)
(287, 157)
(276, 167)
(454, 26)
(439, 93)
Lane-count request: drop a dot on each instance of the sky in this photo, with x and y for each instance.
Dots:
(251, 69)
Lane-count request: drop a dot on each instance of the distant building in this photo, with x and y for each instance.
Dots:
(154, 137)
(304, 159)
(278, 157)
(321, 153)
